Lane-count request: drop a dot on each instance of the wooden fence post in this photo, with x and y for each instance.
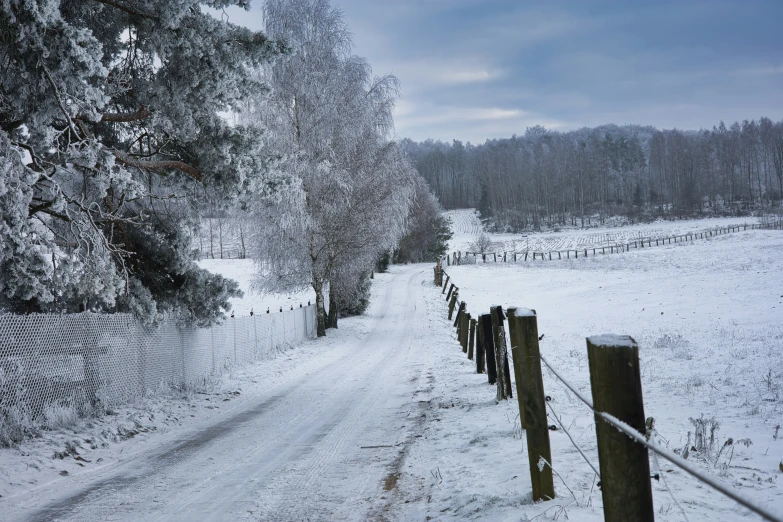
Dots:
(488, 343)
(445, 283)
(617, 390)
(464, 328)
(480, 365)
(471, 337)
(523, 332)
(451, 290)
(461, 311)
(452, 304)
(501, 357)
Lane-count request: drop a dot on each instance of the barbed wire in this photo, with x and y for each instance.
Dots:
(562, 427)
(665, 453)
(651, 446)
(567, 384)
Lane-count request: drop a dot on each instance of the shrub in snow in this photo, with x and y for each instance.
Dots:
(356, 302)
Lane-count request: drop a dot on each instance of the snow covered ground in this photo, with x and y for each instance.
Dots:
(386, 419)
(243, 271)
(708, 317)
(319, 433)
(466, 226)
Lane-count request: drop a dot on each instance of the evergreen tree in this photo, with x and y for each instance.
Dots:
(110, 139)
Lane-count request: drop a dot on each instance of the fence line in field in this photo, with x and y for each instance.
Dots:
(84, 364)
(623, 433)
(457, 257)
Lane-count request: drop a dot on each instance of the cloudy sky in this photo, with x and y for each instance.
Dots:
(478, 69)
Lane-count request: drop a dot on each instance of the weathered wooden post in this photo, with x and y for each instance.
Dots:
(617, 391)
(461, 311)
(464, 328)
(451, 290)
(445, 283)
(471, 337)
(452, 304)
(523, 332)
(488, 342)
(480, 365)
(501, 358)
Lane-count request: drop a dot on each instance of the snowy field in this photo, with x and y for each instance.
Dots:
(466, 225)
(708, 317)
(243, 271)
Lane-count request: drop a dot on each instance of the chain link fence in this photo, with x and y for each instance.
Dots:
(56, 368)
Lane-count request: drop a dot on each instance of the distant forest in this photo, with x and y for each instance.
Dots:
(547, 178)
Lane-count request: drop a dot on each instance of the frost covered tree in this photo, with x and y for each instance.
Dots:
(110, 139)
(428, 231)
(330, 119)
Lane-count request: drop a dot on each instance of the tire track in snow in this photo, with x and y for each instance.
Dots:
(297, 432)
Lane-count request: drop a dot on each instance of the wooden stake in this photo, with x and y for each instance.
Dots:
(523, 332)
(488, 342)
(471, 337)
(617, 390)
(461, 311)
(464, 329)
(501, 359)
(452, 304)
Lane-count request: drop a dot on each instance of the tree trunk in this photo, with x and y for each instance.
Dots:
(319, 310)
(331, 321)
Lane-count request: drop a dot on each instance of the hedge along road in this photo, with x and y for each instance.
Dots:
(324, 447)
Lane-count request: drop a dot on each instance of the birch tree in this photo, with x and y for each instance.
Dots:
(329, 118)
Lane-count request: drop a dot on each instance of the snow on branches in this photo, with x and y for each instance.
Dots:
(110, 140)
(331, 118)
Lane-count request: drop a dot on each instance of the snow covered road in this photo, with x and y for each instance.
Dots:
(325, 446)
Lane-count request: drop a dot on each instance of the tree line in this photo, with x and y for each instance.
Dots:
(548, 178)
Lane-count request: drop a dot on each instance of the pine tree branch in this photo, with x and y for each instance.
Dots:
(157, 166)
(121, 117)
(126, 9)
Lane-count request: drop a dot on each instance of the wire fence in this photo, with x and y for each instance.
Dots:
(645, 440)
(69, 366)
(609, 247)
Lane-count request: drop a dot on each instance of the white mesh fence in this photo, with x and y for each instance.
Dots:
(87, 362)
